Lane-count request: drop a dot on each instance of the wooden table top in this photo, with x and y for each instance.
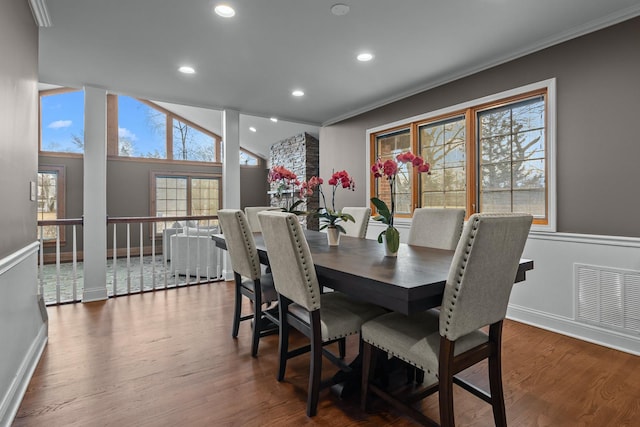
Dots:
(411, 282)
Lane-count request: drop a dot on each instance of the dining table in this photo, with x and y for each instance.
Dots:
(411, 282)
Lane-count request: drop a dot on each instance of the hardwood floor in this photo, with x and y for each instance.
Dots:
(168, 359)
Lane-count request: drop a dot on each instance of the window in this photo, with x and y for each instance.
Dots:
(248, 159)
(141, 130)
(50, 199)
(489, 155)
(149, 131)
(183, 195)
(62, 121)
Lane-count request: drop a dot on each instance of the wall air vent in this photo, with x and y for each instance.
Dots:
(608, 297)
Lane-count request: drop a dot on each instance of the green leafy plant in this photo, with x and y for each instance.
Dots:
(330, 217)
(389, 171)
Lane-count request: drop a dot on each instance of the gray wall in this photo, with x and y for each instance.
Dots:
(128, 186)
(19, 124)
(598, 107)
(253, 186)
(23, 328)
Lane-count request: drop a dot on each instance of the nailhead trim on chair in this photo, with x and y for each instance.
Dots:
(314, 298)
(451, 303)
(255, 264)
(394, 354)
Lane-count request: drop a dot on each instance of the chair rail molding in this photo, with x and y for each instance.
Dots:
(23, 327)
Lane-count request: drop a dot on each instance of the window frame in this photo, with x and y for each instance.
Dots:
(113, 140)
(51, 92)
(470, 110)
(59, 170)
(189, 176)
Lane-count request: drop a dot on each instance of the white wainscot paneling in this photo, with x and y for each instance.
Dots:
(23, 328)
(548, 297)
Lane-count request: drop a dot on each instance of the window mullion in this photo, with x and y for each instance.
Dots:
(472, 142)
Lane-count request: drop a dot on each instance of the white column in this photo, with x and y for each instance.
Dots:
(230, 170)
(95, 194)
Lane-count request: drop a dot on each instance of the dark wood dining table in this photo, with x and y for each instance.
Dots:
(409, 283)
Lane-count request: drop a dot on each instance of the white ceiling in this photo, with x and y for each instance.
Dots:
(253, 61)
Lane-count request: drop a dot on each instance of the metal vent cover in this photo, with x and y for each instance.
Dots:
(608, 297)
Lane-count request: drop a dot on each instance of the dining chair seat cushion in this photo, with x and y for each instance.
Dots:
(340, 315)
(269, 293)
(415, 339)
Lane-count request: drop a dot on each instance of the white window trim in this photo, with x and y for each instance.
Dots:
(550, 86)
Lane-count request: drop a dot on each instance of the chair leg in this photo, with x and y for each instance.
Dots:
(369, 354)
(316, 365)
(283, 340)
(257, 318)
(237, 313)
(445, 385)
(495, 377)
(342, 347)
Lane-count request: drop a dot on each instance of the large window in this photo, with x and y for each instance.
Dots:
(150, 131)
(62, 121)
(50, 199)
(185, 195)
(488, 155)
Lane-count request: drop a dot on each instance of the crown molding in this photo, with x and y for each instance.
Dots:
(40, 12)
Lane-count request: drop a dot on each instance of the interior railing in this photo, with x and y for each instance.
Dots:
(143, 254)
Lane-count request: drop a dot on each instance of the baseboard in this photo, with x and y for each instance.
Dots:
(90, 295)
(571, 328)
(11, 402)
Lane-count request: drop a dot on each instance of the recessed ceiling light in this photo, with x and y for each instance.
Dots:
(186, 69)
(339, 9)
(274, 119)
(252, 129)
(224, 10)
(365, 56)
(297, 92)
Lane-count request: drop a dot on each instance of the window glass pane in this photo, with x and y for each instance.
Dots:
(47, 203)
(513, 158)
(442, 145)
(247, 159)
(388, 147)
(204, 196)
(141, 130)
(170, 201)
(62, 122)
(191, 144)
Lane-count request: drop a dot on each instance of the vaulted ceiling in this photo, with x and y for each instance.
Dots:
(253, 61)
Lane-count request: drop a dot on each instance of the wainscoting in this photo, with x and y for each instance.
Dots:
(23, 327)
(549, 298)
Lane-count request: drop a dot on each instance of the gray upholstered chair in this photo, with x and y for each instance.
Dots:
(359, 227)
(443, 343)
(252, 215)
(249, 279)
(323, 318)
(436, 227)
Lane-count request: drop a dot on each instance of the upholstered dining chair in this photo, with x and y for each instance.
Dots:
(438, 228)
(443, 343)
(323, 318)
(252, 215)
(249, 279)
(359, 227)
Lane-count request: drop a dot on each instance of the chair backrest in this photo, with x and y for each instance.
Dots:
(240, 243)
(252, 216)
(294, 274)
(482, 272)
(359, 227)
(438, 228)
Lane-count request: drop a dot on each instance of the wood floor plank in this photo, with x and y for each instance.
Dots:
(168, 359)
